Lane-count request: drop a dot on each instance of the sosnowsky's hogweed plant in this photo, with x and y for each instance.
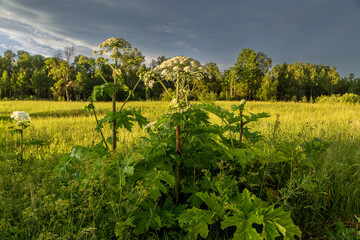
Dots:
(180, 70)
(22, 121)
(121, 56)
(208, 162)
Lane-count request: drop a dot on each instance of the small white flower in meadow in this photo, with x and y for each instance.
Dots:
(176, 68)
(21, 117)
(182, 62)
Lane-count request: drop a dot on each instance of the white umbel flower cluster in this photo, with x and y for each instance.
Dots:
(179, 63)
(21, 117)
(114, 44)
(171, 68)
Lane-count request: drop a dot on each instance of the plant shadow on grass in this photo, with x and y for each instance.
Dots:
(5, 118)
(59, 113)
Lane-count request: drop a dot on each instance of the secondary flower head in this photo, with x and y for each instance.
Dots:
(113, 44)
(243, 102)
(21, 117)
(185, 66)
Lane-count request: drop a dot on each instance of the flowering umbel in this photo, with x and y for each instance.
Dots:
(21, 117)
(181, 70)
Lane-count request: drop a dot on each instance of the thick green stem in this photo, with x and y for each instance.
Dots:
(177, 89)
(178, 142)
(165, 88)
(177, 166)
(241, 128)
(114, 110)
(21, 144)
(241, 134)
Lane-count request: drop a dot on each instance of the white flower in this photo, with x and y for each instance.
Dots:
(194, 63)
(115, 42)
(21, 117)
(151, 83)
(176, 68)
(242, 102)
(173, 103)
(151, 124)
(202, 69)
(164, 72)
(187, 69)
(164, 64)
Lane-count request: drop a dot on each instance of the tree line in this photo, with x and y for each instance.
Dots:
(66, 76)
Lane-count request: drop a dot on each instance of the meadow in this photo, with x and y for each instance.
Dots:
(63, 125)
(320, 142)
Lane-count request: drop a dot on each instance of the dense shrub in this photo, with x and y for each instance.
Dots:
(346, 98)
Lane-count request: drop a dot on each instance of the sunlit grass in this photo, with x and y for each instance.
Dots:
(65, 124)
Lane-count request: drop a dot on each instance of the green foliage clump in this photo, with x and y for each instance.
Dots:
(346, 98)
(207, 96)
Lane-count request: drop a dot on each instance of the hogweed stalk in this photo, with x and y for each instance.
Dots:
(124, 56)
(23, 121)
(180, 70)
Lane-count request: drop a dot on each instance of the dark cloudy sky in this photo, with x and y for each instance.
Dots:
(316, 31)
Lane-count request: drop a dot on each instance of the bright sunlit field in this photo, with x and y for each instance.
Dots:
(65, 124)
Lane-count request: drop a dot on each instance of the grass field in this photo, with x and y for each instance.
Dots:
(63, 125)
(334, 197)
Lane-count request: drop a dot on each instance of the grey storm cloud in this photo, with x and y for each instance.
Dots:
(315, 31)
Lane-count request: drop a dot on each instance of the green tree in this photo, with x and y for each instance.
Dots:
(22, 71)
(41, 83)
(57, 69)
(250, 68)
(5, 84)
(268, 89)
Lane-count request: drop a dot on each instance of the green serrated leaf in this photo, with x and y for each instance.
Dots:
(243, 224)
(195, 221)
(278, 221)
(210, 200)
(125, 88)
